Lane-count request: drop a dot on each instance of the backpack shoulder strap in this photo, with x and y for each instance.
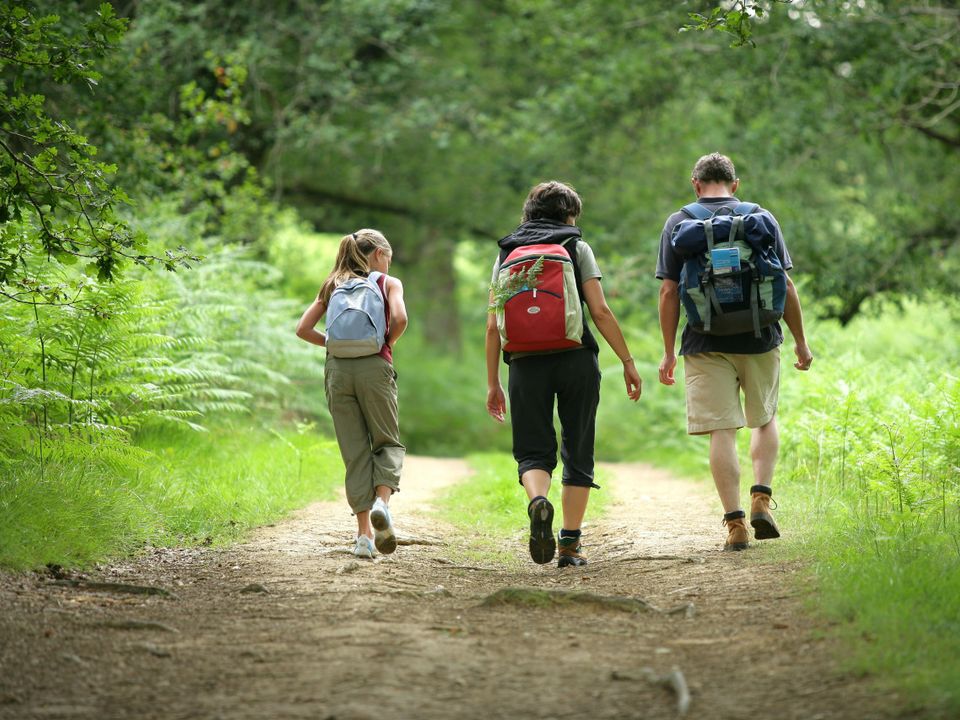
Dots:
(374, 277)
(570, 245)
(746, 208)
(696, 211)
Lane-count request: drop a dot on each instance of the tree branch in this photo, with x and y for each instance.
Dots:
(362, 203)
(952, 142)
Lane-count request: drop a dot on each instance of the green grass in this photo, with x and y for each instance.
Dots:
(896, 595)
(888, 585)
(492, 506)
(191, 488)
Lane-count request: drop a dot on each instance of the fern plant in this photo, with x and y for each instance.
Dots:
(502, 289)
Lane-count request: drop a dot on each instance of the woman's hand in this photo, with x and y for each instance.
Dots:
(632, 379)
(496, 403)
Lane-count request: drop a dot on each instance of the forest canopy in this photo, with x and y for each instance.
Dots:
(431, 121)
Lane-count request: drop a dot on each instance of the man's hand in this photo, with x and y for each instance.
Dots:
(632, 380)
(667, 366)
(496, 403)
(804, 356)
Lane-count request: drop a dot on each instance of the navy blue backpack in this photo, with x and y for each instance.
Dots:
(732, 280)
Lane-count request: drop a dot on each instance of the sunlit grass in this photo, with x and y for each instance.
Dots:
(896, 593)
(199, 488)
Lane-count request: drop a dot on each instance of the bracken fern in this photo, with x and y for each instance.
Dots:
(505, 287)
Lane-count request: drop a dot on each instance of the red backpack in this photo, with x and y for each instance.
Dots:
(544, 314)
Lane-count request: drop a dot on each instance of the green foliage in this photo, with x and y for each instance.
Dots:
(158, 349)
(56, 199)
(443, 400)
(734, 18)
(90, 358)
(302, 256)
(185, 488)
(898, 609)
(877, 424)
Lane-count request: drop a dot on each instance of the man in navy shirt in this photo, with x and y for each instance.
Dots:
(719, 368)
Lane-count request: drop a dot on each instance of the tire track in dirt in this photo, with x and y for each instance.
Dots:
(408, 636)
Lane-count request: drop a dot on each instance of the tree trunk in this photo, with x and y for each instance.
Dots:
(432, 295)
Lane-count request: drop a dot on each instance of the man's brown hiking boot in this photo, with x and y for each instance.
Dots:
(737, 535)
(764, 526)
(570, 552)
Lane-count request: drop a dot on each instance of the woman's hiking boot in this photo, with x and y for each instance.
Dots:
(570, 552)
(764, 527)
(542, 544)
(737, 535)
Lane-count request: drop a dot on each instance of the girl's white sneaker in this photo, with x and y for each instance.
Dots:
(383, 536)
(364, 547)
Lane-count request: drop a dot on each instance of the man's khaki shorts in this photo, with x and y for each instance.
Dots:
(714, 382)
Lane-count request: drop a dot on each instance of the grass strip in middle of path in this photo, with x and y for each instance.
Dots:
(491, 508)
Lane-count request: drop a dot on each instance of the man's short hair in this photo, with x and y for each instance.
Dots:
(715, 168)
(552, 201)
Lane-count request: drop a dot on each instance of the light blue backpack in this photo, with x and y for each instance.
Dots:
(356, 318)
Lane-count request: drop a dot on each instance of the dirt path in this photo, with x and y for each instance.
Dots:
(408, 636)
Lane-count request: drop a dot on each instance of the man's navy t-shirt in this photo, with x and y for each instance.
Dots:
(669, 265)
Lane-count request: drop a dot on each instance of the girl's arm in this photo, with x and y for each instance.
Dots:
(398, 310)
(308, 321)
(608, 326)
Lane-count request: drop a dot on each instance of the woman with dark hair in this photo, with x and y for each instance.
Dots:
(541, 278)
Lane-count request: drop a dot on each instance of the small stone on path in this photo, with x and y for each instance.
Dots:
(154, 649)
(74, 659)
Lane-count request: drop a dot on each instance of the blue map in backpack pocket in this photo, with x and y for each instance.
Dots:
(726, 261)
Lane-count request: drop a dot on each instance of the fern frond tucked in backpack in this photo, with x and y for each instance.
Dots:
(506, 286)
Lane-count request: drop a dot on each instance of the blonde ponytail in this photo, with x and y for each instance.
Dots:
(353, 259)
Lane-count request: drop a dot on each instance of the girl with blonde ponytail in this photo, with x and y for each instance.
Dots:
(362, 393)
